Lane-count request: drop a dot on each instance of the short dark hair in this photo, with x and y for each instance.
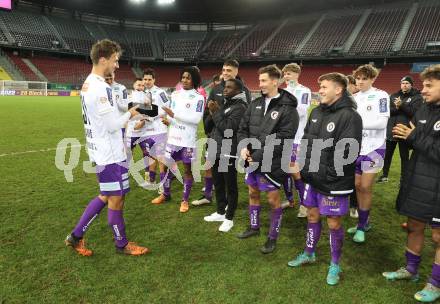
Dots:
(150, 71)
(138, 79)
(337, 78)
(272, 70)
(215, 78)
(366, 70)
(238, 84)
(104, 49)
(232, 62)
(351, 79)
(195, 75)
(431, 72)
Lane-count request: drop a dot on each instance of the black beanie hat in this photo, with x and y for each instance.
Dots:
(409, 79)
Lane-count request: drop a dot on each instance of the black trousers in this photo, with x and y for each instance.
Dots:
(225, 187)
(404, 155)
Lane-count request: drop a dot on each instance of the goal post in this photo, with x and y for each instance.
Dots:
(23, 88)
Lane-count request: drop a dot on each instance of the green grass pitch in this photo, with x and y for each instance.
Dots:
(190, 262)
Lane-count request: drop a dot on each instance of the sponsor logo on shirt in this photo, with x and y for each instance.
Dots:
(422, 121)
(258, 107)
(163, 97)
(274, 114)
(383, 105)
(305, 98)
(188, 105)
(314, 120)
(330, 127)
(437, 126)
(199, 107)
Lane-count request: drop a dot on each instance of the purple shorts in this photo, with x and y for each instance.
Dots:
(113, 179)
(184, 154)
(156, 144)
(328, 205)
(142, 142)
(258, 180)
(295, 150)
(370, 163)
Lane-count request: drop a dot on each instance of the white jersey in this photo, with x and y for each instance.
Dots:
(160, 99)
(120, 97)
(187, 106)
(136, 97)
(104, 145)
(303, 96)
(374, 107)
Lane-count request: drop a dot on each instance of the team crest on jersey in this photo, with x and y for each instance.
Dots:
(103, 99)
(369, 108)
(330, 127)
(437, 126)
(274, 114)
(408, 100)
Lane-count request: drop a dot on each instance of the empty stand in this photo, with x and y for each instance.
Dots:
(331, 33)
(288, 39)
(29, 30)
(425, 27)
(379, 32)
(23, 67)
(74, 33)
(253, 42)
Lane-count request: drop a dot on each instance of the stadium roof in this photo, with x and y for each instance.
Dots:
(204, 11)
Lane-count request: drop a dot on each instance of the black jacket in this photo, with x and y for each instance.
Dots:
(411, 102)
(281, 120)
(228, 116)
(419, 195)
(338, 121)
(216, 94)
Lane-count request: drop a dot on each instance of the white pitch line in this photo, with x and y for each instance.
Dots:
(35, 151)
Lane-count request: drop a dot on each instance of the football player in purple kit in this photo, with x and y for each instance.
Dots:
(183, 117)
(105, 146)
(329, 167)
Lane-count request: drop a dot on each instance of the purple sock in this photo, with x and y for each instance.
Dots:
(435, 275)
(208, 187)
(412, 262)
(313, 235)
(288, 188)
(275, 223)
(254, 216)
(116, 223)
(89, 215)
(336, 242)
(299, 185)
(187, 185)
(167, 183)
(152, 176)
(363, 219)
